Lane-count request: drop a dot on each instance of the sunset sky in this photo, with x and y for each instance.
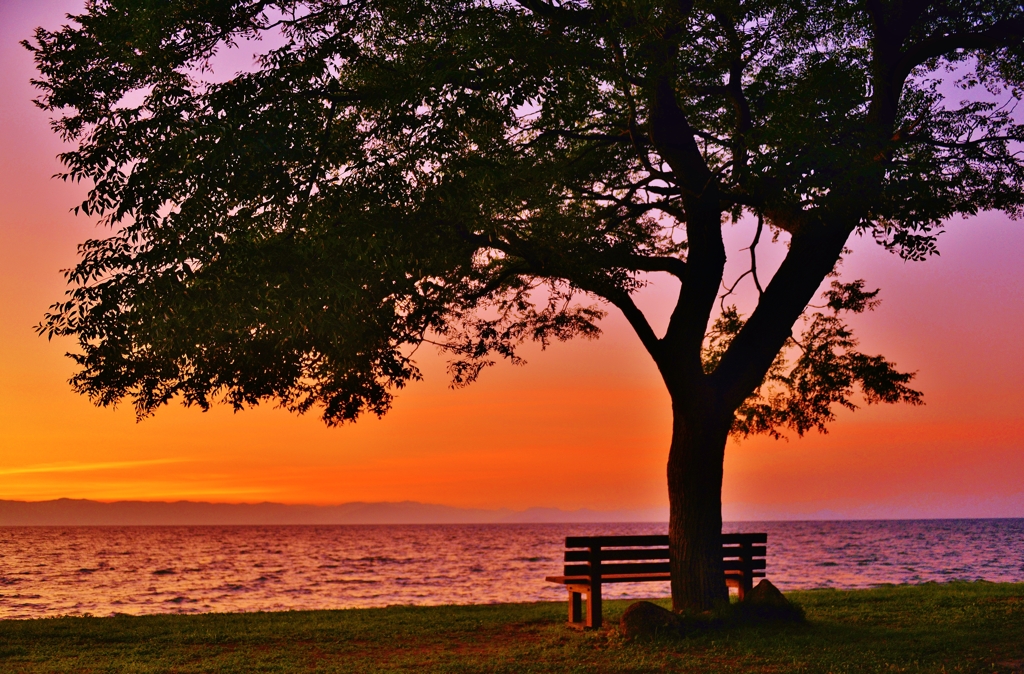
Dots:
(584, 424)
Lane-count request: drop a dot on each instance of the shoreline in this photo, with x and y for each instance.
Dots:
(662, 600)
(930, 627)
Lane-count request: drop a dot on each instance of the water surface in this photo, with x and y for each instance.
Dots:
(47, 571)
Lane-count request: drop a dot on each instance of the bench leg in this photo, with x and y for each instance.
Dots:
(593, 615)
(746, 584)
(575, 607)
(594, 606)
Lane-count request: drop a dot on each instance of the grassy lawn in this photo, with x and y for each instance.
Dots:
(956, 627)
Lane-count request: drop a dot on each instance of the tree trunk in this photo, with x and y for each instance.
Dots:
(695, 467)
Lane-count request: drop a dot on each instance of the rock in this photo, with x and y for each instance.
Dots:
(765, 602)
(644, 620)
(766, 594)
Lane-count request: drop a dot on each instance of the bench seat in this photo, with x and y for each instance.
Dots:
(731, 579)
(610, 578)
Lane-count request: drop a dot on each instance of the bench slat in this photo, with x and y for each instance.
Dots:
(614, 578)
(753, 551)
(736, 539)
(657, 567)
(655, 553)
(614, 541)
(617, 554)
(653, 540)
(637, 567)
(633, 578)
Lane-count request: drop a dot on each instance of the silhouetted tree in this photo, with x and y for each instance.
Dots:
(465, 172)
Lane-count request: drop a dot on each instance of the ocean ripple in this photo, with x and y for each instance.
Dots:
(49, 571)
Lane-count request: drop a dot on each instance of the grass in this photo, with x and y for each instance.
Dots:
(954, 627)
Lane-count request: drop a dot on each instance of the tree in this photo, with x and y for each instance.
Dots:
(478, 173)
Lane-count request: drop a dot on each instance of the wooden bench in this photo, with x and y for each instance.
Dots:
(642, 559)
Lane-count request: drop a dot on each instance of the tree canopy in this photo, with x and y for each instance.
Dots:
(476, 173)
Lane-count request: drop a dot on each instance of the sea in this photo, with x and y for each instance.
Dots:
(102, 571)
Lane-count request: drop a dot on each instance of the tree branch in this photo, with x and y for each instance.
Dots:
(1000, 34)
(603, 137)
(753, 255)
(812, 255)
(734, 90)
(909, 138)
(624, 303)
(672, 265)
(570, 17)
(731, 289)
(513, 269)
(752, 272)
(673, 136)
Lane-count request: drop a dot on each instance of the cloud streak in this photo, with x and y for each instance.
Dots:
(84, 467)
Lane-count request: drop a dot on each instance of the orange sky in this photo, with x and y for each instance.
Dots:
(584, 424)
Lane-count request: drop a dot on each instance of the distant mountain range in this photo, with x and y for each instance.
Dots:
(75, 512)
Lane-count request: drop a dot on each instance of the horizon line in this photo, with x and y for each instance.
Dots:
(616, 516)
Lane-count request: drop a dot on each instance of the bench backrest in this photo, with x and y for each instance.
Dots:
(609, 555)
